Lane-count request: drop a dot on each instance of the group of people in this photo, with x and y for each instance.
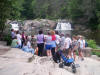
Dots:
(51, 43)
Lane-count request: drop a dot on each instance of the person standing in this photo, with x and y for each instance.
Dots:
(67, 45)
(33, 42)
(57, 39)
(12, 34)
(19, 39)
(74, 46)
(40, 43)
(53, 43)
(48, 40)
(62, 41)
(81, 44)
(23, 39)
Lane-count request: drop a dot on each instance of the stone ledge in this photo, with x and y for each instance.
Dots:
(87, 51)
(3, 43)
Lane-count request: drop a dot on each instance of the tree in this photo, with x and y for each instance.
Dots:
(28, 11)
(5, 8)
(16, 10)
(98, 12)
(74, 10)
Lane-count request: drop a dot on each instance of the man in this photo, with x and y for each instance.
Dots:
(12, 34)
(67, 45)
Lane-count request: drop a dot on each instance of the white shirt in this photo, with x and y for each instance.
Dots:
(67, 42)
(57, 39)
(62, 41)
(29, 44)
(19, 39)
(82, 43)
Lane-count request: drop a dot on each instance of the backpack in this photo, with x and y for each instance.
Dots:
(86, 44)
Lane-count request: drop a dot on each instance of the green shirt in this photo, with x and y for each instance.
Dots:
(14, 43)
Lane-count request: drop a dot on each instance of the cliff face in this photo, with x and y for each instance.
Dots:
(15, 62)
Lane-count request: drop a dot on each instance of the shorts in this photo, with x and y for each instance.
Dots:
(70, 47)
(80, 49)
(48, 47)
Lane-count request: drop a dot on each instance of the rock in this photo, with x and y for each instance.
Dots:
(33, 26)
(95, 57)
(87, 51)
(3, 43)
(15, 62)
(4, 49)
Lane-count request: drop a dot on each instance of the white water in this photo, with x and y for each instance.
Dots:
(64, 27)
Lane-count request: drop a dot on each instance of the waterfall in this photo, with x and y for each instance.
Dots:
(64, 27)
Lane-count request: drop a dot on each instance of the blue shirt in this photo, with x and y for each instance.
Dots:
(53, 43)
(12, 34)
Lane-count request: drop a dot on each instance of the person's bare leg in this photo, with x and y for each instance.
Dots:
(69, 53)
(81, 54)
(74, 54)
(47, 52)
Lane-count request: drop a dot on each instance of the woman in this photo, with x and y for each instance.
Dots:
(81, 44)
(74, 46)
(27, 47)
(23, 39)
(48, 44)
(19, 39)
(33, 42)
(40, 43)
(53, 43)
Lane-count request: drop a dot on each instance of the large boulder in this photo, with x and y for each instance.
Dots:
(33, 26)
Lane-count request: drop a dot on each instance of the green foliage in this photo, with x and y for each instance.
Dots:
(8, 39)
(73, 9)
(16, 10)
(92, 44)
(96, 53)
(5, 8)
(27, 13)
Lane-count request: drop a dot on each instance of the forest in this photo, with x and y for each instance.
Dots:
(86, 12)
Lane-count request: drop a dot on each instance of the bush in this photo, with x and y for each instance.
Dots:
(96, 53)
(8, 39)
(92, 44)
